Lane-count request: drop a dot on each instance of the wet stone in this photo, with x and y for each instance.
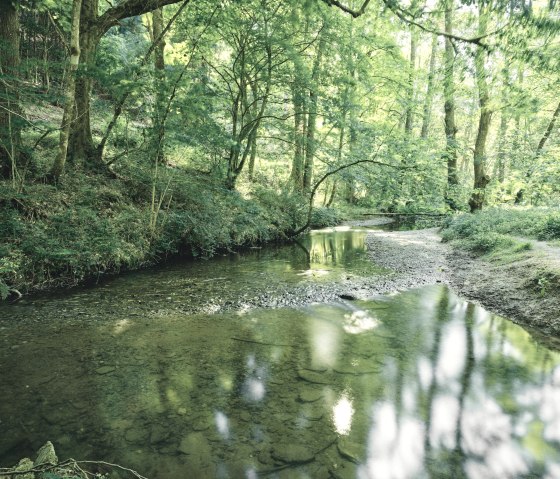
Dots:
(201, 423)
(46, 455)
(313, 377)
(310, 395)
(195, 444)
(246, 416)
(349, 450)
(105, 369)
(24, 465)
(313, 415)
(292, 453)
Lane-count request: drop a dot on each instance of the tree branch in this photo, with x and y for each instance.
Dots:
(338, 169)
(344, 8)
(130, 8)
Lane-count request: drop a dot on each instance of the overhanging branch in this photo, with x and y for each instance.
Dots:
(130, 8)
(344, 8)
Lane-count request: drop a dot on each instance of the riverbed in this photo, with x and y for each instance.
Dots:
(279, 362)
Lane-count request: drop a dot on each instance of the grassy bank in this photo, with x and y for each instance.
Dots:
(497, 229)
(512, 236)
(62, 236)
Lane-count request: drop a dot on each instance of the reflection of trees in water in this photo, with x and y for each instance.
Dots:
(442, 316)
(335, 248)
(459, 457)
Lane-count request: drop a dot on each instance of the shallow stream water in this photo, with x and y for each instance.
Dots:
(419, 384)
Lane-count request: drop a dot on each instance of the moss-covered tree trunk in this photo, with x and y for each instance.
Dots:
(10, 111)
(82, 148)
(69, 93)
(310, 141)
(300, 118)
(409, 112)
(481, 179)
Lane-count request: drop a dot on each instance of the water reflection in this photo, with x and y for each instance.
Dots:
(186, 286)
(418, 385)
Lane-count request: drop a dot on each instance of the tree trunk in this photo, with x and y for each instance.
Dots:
(10, 110)
(409, 113)
(82, 148)
(252, 157)
(426, 118)
(69, 94)
(501, 156)
(481, 179)
(310, 145)
(500, 164)
(548, 131)
(159, 64)
(449, 104)
(296, 175)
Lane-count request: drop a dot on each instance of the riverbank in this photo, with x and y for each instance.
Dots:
(54, 237)
(521, 287)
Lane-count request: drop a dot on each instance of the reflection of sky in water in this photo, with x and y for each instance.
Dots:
(342, 415)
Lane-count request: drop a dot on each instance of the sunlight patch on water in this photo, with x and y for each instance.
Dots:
(359, 322)
(222, 424)
(342, 414)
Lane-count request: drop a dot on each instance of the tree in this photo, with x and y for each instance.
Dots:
(10, 110)
(92, 27)
(69, 94)
(481, 179)
(449, 105)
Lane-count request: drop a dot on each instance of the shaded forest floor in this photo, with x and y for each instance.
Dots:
(522, 287)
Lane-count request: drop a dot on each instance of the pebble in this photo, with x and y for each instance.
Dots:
(310, 395)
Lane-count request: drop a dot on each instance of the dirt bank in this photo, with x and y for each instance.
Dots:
(507, 289)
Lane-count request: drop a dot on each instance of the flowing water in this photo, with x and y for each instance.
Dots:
(412, 385)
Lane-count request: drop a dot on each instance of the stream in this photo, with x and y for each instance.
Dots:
(150, 371)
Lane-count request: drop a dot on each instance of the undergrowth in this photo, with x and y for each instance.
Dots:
(501, 229)
(91, 225)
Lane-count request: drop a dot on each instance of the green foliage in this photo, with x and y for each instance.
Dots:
(323, 217)
(501, 228)
(93, 225)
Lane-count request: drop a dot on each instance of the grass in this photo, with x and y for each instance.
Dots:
(500, 231)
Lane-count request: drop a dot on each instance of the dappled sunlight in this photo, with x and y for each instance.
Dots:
(451, 360)
(485, 426)
(254, 389)
(121, 326)
(501, 461)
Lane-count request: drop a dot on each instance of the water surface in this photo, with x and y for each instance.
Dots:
(419, 384)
